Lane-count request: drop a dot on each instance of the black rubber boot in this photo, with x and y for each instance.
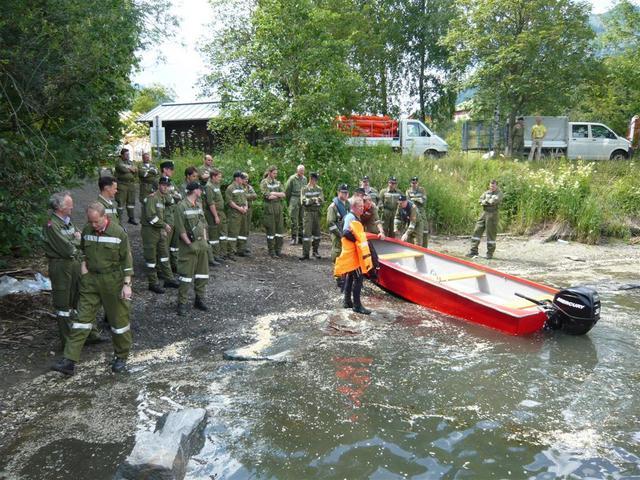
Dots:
(304, 257)
(182, 309)
(65, 366)
(200, 305)
(361, 310)
(119, 365)
(156, 288)
(347, 303)
(171, 283)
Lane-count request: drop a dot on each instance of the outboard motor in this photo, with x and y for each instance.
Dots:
(575, 310)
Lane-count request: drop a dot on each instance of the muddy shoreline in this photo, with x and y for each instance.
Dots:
(42, 412)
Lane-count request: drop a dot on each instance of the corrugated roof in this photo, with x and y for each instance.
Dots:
(182, 111)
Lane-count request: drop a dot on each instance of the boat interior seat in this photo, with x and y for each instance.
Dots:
(457, 276)
(399, 255)
(521, 303)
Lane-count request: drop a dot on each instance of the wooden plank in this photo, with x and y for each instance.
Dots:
(395, 256)
(457, 276)
(523, 303)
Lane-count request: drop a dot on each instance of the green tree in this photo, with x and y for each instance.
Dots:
(64, 79)
(286, 63)
(524, 56)
(147, 98)
(612, 94)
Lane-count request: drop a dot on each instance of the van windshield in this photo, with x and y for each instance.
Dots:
(600, 131)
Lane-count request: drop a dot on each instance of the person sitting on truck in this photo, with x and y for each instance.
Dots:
(538, 132)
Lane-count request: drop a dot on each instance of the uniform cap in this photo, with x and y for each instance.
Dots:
(402, 198)
(164, 181)
(314, 175)
(124, 150)
(393, 179)
(168, 164)
(360, 190)
(237, 174)
(414, 179)
(245, 175)
(344, 188)
(366, 177)
(191, 186)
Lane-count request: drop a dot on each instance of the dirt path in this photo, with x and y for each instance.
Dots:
(39, 408)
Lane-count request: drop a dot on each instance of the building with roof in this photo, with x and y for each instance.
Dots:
(185, 125)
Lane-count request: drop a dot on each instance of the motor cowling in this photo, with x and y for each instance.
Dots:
(576, 310)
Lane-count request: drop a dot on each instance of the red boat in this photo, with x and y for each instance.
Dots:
(481, 294)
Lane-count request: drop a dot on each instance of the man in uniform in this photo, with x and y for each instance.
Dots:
(251, 196)
(369, 190)
(62, 248)
(190, 175)
(126, 176)
(490, 201)
(517, 139)
(204, 172)
(418, 196)
(538, 132)
(108, 189)
(312, 198)
(273, 218)
(388, 204)
(292, 189)
(216, 218)
(408, 221)
(171, 199)
(369, 218)
(192, 257)
(237, 208)
(148, 176)
(338, 209)
(155, 231)
(106, 280)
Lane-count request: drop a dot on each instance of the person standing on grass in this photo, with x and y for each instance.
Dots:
(490, 201)
(538, 132)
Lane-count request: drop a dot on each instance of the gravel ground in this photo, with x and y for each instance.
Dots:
(39, 408)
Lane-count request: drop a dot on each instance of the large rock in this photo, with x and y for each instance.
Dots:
(164, 454)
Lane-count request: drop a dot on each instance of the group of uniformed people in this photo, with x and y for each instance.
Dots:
(189, 228)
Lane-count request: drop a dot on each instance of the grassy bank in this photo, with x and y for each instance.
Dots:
(590, 200)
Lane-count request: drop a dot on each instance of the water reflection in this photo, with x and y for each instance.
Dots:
(354, 376)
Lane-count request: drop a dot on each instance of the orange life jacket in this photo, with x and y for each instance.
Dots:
(354, 254)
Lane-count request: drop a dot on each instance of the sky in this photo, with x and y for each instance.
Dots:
(183, 65)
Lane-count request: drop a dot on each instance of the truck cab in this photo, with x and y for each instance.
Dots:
(416, 139)
(595, 141)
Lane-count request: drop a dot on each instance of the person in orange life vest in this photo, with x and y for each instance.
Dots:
(355, 259)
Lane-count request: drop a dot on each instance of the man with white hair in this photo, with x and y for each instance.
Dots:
(292, 189)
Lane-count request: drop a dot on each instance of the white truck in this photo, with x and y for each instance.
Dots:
(586, 140)
(411, 137)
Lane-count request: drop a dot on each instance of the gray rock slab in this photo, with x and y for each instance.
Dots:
(164, 454)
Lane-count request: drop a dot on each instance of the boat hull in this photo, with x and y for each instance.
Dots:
(445, 298)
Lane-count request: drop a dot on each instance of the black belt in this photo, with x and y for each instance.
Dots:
(101, 271)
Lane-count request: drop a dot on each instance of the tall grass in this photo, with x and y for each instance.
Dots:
(591, 199)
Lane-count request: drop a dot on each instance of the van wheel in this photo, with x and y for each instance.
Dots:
(619, 155)
(432, 154)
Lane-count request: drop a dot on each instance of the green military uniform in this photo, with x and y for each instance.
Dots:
(273, 217)
(335, 222)
(63, 251)
(292, 190)
(388, 204)
(237, 232)
(204, 173)
(108, 259)
(373, 195)
(154, 238)
(370, 219)
(110, 209)
(517, 139)
(311, 198)
(192, 258)
(408, 221)
(126, 195)
(171, 199)
(419, 198)
(490, 202)
(251, 196)
(148, 176)
(217, 233)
